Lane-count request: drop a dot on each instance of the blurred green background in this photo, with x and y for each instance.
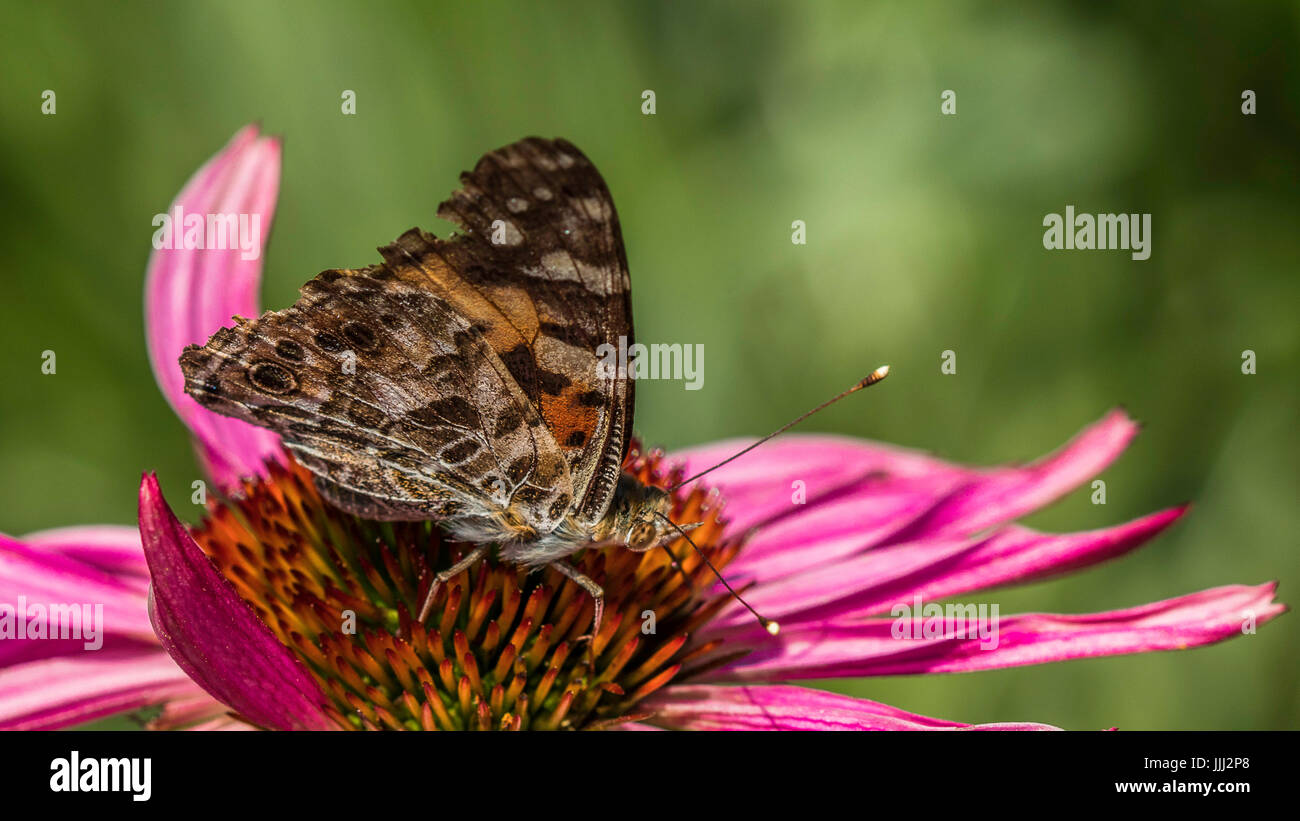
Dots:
(924, 234)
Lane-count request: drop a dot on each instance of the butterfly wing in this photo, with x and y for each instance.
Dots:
(394, 401)
(542, 273)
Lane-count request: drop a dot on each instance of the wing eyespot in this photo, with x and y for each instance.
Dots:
(290, 350)
(328, 342)
(361, 337)
(272, 378)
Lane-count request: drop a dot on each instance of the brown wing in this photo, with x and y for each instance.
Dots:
(542, 274)
(393, 400)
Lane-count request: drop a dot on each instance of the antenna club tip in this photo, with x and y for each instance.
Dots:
(875, 376)
(771, 626)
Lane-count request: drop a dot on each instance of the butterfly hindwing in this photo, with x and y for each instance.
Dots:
(392, 399)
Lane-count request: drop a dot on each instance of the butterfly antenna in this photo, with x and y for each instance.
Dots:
(768, 624)
(871, 379)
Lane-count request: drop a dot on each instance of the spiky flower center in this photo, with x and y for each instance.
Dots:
(502, 648)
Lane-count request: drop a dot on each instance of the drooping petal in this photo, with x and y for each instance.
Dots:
(222, 724)
(851, 521)
(1007, 493)
(870, 648)
(214, 635)
(934, 569)
(196, 711)
(114, 549)
(58, 692)
(783, 707)
(110, 660)
(636, 727)
(856, 496)
(190, 293)
(41, 577)
(760, 485)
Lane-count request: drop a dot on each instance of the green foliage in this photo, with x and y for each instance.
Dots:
(924, 234)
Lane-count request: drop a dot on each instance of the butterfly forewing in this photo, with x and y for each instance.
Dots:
(392, 399)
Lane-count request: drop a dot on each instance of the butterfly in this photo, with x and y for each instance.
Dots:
(458, 379)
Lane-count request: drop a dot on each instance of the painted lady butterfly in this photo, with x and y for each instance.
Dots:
(458, 380)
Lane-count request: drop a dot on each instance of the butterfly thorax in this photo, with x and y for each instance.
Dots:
(634, 518)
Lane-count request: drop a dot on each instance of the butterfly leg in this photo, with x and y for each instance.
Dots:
(586, 583)
(472, 558)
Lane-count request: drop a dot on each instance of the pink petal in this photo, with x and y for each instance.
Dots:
(869, 648)
(782, 707)
(115, 549)
(851, 521)
(636, 727)
(760, 485)
(1007, 493)
(222, 724)
(862, 496)
(47, 577)
(214, 635)
(189, 294)
(935, 569)
(59, 692)
(196, 711)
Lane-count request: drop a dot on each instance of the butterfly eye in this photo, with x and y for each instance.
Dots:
(641, 536)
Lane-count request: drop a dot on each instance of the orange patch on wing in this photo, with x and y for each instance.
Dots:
(506, 314)
(518, 308)
(567, 418)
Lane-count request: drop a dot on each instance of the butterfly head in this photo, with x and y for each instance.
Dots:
(638, 513)
(639, 519)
